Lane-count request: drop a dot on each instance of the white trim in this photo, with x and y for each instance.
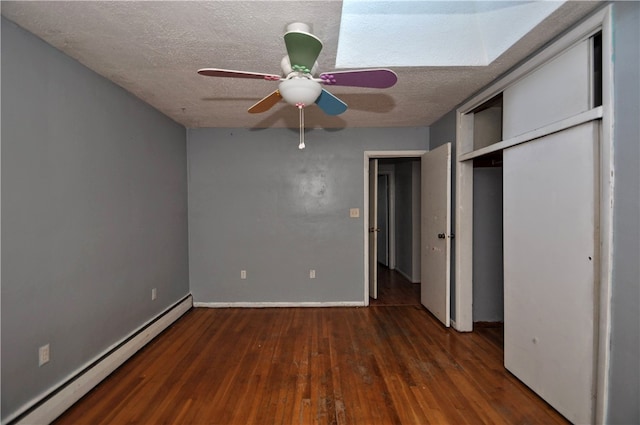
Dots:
(606, 219)
(370, 155)
(365, 224)
(82, 381)
(464, 227)
(242, 304)
(600, 20)
(586, 116)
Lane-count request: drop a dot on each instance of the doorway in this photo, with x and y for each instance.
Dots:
(398, 221)
(396, 253)
(433, 241)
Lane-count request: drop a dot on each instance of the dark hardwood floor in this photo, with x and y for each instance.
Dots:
(395, 289)
(376, 365)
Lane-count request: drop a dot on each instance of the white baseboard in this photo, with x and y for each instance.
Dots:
(278, 304)
(45, 409)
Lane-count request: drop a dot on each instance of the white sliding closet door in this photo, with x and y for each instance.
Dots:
(550, 263)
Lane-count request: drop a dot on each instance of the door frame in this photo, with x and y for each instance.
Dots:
(365, 214)
(601, 20)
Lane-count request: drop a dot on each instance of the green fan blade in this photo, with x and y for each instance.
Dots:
(303, 50)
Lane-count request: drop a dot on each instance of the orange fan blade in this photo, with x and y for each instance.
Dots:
(265, 104)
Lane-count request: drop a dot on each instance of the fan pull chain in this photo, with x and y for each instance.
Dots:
(301, 113)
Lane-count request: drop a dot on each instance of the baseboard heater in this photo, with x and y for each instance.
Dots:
(48, 408)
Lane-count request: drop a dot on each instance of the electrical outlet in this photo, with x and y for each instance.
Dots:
(43, 355)
(312, 274)
(154, 294)
(354, 212)
(243, 274)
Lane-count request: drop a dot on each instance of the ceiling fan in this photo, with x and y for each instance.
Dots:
(299, 86)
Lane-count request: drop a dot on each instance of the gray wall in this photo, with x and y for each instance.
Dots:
(93, 215)
(404, 219)
(258, 203)
(624, 396)
(441, 132)
(488, 262)
(407, 217)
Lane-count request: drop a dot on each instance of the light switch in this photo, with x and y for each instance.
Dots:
(354, 212)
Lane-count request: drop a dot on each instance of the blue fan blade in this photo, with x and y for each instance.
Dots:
(330, 104)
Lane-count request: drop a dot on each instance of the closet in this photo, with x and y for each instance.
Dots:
(545, 126)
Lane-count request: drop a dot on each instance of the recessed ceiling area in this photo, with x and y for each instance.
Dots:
(434, 33)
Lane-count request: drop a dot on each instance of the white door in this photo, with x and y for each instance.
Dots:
(436, 235)
(373, 228)
(550, 257)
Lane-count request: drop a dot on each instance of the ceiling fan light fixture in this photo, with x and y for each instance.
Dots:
(300, 91)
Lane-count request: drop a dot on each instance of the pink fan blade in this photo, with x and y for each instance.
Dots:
(372, 78)
(266, 103)
(214, 72)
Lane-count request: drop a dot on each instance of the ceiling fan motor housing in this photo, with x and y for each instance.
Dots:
(299, 26)
(287, 69)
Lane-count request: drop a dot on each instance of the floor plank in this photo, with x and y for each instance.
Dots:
(376, 365)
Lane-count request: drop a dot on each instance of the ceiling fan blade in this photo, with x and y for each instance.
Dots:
(214, 72)
(303, 50)
(266, 103)
(330, 104)
(372, 78)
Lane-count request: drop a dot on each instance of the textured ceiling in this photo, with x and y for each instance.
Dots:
(153, 49)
